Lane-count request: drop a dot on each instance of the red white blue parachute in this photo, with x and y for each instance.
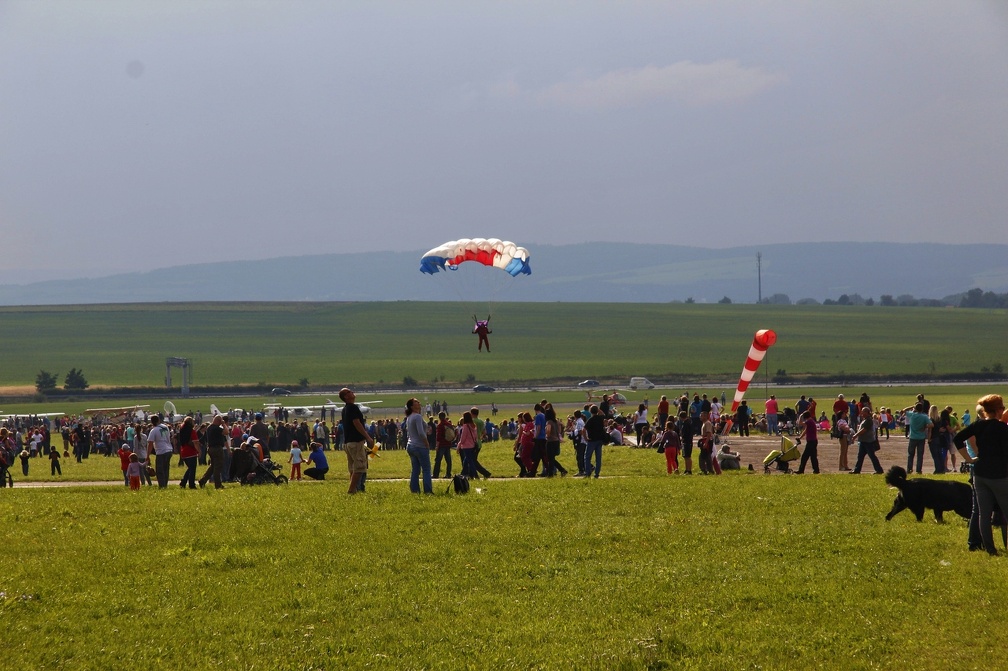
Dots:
(507, 256)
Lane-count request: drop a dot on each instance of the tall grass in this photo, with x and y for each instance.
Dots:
(742, 571)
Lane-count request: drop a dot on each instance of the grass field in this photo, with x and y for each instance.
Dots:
(382, 343)
(633, 571)
(636, 572)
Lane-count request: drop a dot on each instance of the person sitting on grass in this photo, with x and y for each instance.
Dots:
(729, 461)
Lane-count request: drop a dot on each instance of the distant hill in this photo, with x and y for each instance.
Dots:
(597, 272)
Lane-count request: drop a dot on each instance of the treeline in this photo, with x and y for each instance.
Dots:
(974, 298)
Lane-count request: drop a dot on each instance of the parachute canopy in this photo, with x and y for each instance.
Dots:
(501, 254)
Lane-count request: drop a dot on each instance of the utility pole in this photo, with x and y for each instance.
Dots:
(759, 277)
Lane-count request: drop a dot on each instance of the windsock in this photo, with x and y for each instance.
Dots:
(763, 339)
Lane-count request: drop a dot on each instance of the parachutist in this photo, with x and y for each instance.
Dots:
(482, 328)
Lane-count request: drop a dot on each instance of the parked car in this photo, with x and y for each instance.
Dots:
(640, 383)
(589, 383)
(277, 391)
(483, 387)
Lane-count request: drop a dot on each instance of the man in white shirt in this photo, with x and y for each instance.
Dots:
(159, 442)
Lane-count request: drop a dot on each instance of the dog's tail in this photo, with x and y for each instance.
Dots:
(896, 477)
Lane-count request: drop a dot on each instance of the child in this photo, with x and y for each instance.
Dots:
(133, 472)
(295, 461)
(54, 465)
(25, 460)
(125, 452)
(670, 439)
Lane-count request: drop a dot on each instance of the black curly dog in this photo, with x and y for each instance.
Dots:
(918, 494)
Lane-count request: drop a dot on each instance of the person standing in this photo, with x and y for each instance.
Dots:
(357, 440)
(595, 432)
(685, 431)
(216, 439)
(990, 465)
(467, 445)
(640, 420)
(706, 446)
(417, 448)
(577, 436)
(444, 440)
(842, 431)
(773, 427)
(261, 432)
(937, 438)
(480, 432)
(159, 443)
(839, 405)
(538, 440)
(811, 452)
(188, 443)
(920, 427)
(663, 412)
(554, 434)
(294, 459)
(867, 441)
(54, 463)
(742, 420)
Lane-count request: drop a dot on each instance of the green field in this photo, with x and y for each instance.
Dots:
(640, 572)
(378, 344)
(633, 571)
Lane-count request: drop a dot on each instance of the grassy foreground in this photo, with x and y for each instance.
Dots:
(741, 571)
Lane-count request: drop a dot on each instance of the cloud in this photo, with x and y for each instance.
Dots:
(697, 84)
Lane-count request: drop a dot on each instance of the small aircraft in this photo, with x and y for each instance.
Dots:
(31, 414)
(119, 413)
(172, 413)
(306, 411)
(615, 398)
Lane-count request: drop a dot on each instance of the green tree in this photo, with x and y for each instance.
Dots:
(75, 380)
(46, 381)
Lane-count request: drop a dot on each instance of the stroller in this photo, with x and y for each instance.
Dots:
(780, 459)
(264, 473)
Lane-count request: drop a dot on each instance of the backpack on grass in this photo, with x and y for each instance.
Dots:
(460, 483)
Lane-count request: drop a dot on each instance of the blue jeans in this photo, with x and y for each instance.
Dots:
(773, 426)
(594, 447)
(915, 447)
(468, 462)
(420, 458)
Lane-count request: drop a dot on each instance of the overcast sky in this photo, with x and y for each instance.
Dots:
(149, 134)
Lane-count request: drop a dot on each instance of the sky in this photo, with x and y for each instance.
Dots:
(142, 135)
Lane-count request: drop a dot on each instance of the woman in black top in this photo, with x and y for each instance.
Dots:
(990, 466)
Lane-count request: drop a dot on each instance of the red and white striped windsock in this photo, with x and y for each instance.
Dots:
(760, 343)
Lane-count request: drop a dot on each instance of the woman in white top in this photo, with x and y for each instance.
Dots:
(418, 448)
(640, 421)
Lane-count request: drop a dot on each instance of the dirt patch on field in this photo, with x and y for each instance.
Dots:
(25, 390)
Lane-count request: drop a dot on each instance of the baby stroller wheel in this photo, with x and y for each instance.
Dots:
(281, 480)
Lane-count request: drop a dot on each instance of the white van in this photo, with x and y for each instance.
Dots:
(641, 383)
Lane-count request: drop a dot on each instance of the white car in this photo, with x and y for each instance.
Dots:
(640, 383)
